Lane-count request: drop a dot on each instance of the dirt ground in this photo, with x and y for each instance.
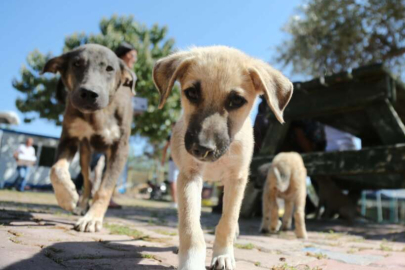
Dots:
(36, 234)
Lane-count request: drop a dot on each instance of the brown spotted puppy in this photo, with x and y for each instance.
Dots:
(213, 139)
(286, 179)
(97, 117)
(334, 201)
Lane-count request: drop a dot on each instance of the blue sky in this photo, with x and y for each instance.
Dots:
(251, 26)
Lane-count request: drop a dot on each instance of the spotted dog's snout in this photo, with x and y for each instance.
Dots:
(87, 99)
(88, 96)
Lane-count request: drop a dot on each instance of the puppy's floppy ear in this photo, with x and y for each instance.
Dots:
(167, 70)
(61, 92)
(54, 64)
(275, 87)
(128, 77)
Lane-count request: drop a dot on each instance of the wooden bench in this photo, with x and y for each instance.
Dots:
(368, 103)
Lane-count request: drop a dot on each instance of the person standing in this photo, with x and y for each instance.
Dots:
(127, 53)
(25, 158)
(173, 172)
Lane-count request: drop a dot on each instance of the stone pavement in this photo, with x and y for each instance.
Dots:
(36, 234)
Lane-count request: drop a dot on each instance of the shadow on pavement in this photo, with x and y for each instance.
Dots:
(16, 218)
(168, 217)
(93, 255)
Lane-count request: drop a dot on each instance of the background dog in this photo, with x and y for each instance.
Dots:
(334, 201)
(213, 138)
(286, 179)
(97, 117)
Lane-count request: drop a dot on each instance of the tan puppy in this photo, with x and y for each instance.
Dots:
(213, 138)
(286, 179)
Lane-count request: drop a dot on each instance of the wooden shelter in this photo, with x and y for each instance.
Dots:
(367, 102)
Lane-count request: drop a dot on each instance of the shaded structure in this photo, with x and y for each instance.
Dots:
(367, 102)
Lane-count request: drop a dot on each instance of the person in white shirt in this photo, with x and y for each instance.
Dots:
(25, 157)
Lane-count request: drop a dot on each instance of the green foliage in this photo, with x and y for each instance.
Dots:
(334, 35)
(38, 99)
(38, 91)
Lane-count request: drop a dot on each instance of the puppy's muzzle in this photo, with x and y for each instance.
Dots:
(203, 153)
(88, 99)
(88, 96)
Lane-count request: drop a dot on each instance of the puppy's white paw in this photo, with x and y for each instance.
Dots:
(223, 259)
(65, 190)
(193, 259)
(88, 223)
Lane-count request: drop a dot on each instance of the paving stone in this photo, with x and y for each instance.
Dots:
(41, 236)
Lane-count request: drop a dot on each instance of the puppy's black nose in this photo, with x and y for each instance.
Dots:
(88, 95)
(202, 152)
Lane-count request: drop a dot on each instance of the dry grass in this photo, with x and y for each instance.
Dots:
(319, 256)
(123, 230)
(248, 246)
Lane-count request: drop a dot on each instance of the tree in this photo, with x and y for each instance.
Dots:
(329, 36)
(151, 43)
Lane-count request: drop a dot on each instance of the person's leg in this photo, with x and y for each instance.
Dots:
(173, 191)
(11, 184)
(23, 172)
(173, 174)
(14, 183)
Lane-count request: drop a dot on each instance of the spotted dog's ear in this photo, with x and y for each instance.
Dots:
(56, 64)
(275, 87)
(128, 77)
(167, 70)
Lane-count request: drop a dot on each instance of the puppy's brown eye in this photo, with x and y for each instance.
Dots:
(235, 101)
(78, 63)
(192, 94)
(109, 68)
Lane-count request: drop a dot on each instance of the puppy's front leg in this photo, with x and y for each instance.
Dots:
(65, 190)
(192, 243)
(116, 158)
(223, 257)
(265, 227)
(85, 159)
(299, 215)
